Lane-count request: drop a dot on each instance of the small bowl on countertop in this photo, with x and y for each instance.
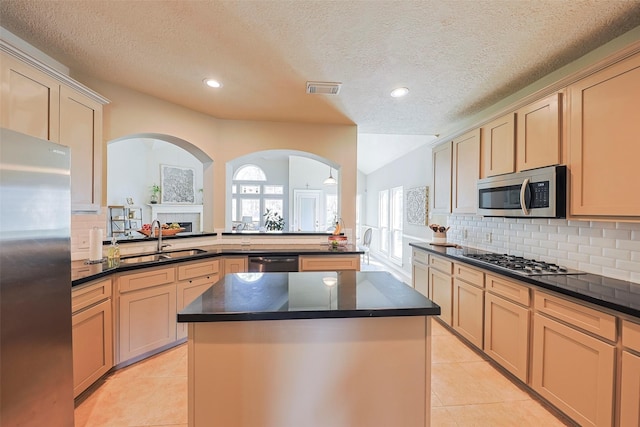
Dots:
(337, 240)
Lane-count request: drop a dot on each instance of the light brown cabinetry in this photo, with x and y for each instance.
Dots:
(573, 366)
(235, 264)
(498, 146)
(193, 279)
(630, 375)
(441, 286)
(329, 263)
(507, 324)
(92, 332)
(603, 134)
(146, 311)
(539, 129)
(441, 179)
(420, 271)
(468, 303)
(466, 171)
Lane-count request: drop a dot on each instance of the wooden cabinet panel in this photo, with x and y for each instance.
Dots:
(329, 263)
(585, 318)
(469, 274)
(508, 289)
(506, 334)
(235, 264)
(630, 390)
(441, 292)
(539, 129)
(92, 333)
(195, 269)
(466, 171)
(146, 279)
(81, 131)
(420, 271)
(441, 264)
(441, 179)
(188, 291)
(85, 295)
(603, 134)
(497, 149)
(29, 101)
(573, 371)
(631, 335)
(468, 311)
(147, 320)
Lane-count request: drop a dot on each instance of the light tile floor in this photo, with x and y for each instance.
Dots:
(466, 391)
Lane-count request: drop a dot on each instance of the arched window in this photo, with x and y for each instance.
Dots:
(253, 194)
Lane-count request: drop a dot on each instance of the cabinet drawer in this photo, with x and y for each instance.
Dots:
(582, 317)
(420, 257)
(508, 289)
(441, 264)
(89, 294)
(146, 279)
(631, 335)
(329, 263)
(468, 274)
(198, 269)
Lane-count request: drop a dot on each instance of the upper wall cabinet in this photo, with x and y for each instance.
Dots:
(39, 101)
(466, 171)
(497, 155)
(603, 147)
(442, 179)
(539, 128)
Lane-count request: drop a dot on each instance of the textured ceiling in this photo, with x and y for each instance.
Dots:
(458, 57)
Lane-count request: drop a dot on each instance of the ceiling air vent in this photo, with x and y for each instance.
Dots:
(323, 88)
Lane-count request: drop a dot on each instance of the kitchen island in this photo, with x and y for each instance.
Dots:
(330, 349)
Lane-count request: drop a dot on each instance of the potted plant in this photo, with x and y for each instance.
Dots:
(273, 221)
(155, 193)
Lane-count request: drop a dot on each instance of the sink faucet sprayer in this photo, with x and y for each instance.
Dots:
(158, 235)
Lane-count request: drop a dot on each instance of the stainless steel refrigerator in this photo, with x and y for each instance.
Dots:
(36, 367)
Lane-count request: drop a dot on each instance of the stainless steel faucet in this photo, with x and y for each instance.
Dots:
(159, 235)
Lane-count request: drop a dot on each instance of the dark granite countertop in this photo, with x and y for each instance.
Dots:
(606, 292)
(308, 295)
(83, 273)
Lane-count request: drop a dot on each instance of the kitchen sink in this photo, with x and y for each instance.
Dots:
(161, 256)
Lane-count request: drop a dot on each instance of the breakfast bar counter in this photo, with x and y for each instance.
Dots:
(330, 349)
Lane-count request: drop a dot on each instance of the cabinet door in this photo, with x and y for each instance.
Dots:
(187, 292)
(603, 136)
(29, 100)
(630, 390)
(420, 278)
(573, 371)
(147, 320)
(442, 179)
(235, 265)
(539, 133)
(498, 147)
(468, 311)
(506, 334)
(81, 130)
(92, 345)
(466, 171)
(441, 292)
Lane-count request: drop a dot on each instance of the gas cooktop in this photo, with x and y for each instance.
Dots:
(520, 265)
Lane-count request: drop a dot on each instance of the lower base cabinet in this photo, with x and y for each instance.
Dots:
(630, 390)
(468, 309)
(574, 371)
(441, 292)
(329, 263)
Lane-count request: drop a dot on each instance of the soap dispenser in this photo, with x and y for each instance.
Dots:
(113, 254)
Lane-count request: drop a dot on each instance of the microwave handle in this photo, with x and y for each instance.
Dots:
(523, 192)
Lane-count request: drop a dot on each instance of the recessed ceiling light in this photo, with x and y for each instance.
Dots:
(212, 83)
(399, 92)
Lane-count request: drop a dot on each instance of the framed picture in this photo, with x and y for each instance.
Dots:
(178, 184)
(418, 205)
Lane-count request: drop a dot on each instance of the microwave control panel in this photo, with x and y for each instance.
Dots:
(539, 194)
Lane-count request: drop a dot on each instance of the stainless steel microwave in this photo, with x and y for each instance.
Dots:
(537, 193)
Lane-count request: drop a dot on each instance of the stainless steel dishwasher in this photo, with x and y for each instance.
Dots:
(273, 263)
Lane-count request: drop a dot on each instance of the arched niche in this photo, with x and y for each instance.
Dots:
(133, 157)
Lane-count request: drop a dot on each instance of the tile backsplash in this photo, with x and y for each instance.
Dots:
(81, 225)
(609, 249)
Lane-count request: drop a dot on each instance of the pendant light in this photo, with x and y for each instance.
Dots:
(331, 180)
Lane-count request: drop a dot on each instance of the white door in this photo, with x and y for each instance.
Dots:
(306, 209)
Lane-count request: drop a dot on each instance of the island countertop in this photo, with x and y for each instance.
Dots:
(307, 295)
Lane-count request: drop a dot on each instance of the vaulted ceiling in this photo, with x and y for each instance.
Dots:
(457, 57)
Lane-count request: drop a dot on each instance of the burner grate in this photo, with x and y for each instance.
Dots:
(529, 267)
